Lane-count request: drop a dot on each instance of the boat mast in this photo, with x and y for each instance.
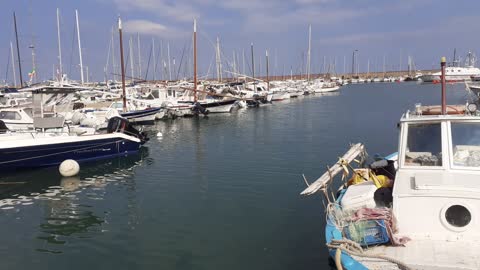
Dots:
(384, 66)
(253, 69)
(105, 68)
(194, 60)
(169, 66)
(33, 74)
(409, 66)
(444, 95)
(162, 57)
(400, 66)
(13, 65)
(18, 50)
(309, 52)
(243, 62)
(454, 57)
(268, 80)
(113, 57)
(353, 63)
(60, 67)
(139, 56)
(368, 68)
(154, 60)
(79, 46)
(234, 65)
(132, 70)
(218, 61)
(275, 66)
(122, 65)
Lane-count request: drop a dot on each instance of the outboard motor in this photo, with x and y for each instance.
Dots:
(253, 103)
(198, 109)
(3, 127)
(384, 167)
(119, 124)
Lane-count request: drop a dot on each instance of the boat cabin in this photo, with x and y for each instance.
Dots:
(437, 186)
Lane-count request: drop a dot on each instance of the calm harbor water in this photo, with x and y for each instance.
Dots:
(212, 193)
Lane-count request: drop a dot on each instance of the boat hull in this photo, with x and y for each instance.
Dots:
(224, 106)
(141, 116)
(448, 78)
(26, 155)
(327, 89)
(280, 96)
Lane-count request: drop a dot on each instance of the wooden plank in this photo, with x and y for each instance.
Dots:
(322, 182)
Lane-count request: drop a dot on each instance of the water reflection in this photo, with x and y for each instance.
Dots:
(64, 200)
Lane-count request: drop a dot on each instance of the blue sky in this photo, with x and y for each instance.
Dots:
(423, 29)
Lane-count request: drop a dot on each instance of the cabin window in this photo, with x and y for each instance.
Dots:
(6, 115)
(466, 144)
(424, 145)
(117, 105)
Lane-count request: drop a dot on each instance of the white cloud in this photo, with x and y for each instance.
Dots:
(281, 22)
(171, 10)
(145, 27)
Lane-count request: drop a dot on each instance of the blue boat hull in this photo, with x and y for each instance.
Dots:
(141, 116)
(29, 157)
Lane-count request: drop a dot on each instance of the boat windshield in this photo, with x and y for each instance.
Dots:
(117, 105)
(466, 144)
(10, 115)
(424, 145)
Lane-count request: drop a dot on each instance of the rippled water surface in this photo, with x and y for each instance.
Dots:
(212, 193)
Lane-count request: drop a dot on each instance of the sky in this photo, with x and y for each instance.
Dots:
(392, 29)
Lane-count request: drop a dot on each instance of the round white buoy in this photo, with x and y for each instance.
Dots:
(69, 167)
(159, 134)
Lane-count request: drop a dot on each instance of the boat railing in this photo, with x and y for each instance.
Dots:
(342, 165)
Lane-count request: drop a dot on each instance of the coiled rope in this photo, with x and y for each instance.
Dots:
(352, 248)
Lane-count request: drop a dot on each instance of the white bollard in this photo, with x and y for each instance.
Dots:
(159, 134)
(69, 167)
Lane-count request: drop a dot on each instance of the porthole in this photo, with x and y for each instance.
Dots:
(458, 216)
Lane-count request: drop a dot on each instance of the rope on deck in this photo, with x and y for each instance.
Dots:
(352, 248)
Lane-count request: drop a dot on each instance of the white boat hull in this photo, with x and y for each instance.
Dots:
(221, 109)
(280, 96)
(327, 89)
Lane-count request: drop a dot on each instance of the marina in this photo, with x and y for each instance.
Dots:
(239, 196)
(163, 135)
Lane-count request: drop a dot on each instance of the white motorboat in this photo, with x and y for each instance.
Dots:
(136, 115)
(52, 141)
(39, 148)
(279, 95)
(327, 87)
(17, 118)
(455, 73)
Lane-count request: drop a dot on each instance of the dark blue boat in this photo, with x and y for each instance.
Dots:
(33, 150)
